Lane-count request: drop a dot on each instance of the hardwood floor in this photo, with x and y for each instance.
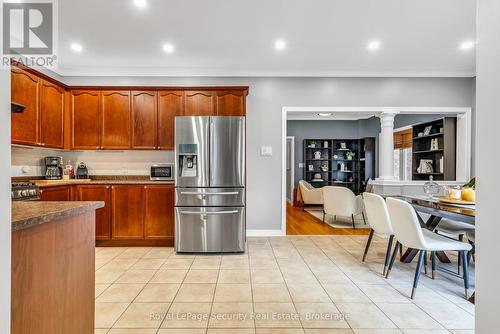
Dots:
(299, 222)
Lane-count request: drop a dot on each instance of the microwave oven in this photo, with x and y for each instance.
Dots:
(162, 172)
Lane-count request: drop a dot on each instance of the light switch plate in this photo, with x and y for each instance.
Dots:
(266, 151)
(301, 165)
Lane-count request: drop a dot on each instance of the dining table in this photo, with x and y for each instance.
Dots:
(437, 211)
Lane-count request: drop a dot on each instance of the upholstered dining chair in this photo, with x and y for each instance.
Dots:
(454, 229)
(341, 201)
(310, 196)
(408, 232)
(379, 221)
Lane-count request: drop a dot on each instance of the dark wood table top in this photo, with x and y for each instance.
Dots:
(432, 207)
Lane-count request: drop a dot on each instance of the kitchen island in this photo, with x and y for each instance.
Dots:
(53, 247)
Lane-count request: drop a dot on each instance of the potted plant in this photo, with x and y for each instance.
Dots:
(349, 155)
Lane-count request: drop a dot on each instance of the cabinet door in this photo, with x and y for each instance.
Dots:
(230, 103)
(85, 119)
(170, 104)
(158, 212)
(116, 120)
(24, 90)
(102, 215)
(51, 115)
(144, 120)
(200, 103)
(127, 212)
(61, 193)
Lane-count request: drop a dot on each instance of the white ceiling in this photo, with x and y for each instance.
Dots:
(236, 37)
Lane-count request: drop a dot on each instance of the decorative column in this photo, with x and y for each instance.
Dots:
(386, 145)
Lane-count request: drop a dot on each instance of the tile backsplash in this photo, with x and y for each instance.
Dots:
(28, 161)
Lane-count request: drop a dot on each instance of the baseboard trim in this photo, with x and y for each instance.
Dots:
(265, 233)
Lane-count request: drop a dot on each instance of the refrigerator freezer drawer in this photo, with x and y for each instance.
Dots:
(209, 229)
(209, 196)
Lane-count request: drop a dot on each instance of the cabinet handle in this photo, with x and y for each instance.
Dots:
(107, 187)
(112, 187)
(97, 147)
(43, 144)
(145, 187)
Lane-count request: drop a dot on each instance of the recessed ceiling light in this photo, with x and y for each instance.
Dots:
(325, 114)
(140, 3)
(280, 44)
(467, 45)
(76, 47)
(373, 45)
(168, 48)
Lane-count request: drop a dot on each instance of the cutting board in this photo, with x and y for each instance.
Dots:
(455, 201)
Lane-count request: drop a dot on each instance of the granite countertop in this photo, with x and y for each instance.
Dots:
(99, 179)
(30, 213)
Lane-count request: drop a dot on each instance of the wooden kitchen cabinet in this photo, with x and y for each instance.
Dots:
(60, 193)
(116, 120)
(85, 119)
(200, 103)
(51, 115)
(231, 103)
(170, 104)
(159, 212)
(103, 215)
(24, 91)
(144, 120)
(127, 212)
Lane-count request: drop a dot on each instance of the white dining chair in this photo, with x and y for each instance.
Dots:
(310, 196)
(454, 229)
(408, 232)
(341, 201)
(379, 221)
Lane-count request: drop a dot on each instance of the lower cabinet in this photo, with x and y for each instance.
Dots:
(59, 193)
(102, 215)
(159, 212)
(127, 214)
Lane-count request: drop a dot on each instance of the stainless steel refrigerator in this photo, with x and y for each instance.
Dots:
(210, 184)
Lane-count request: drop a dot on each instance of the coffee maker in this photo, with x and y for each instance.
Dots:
(53, 168)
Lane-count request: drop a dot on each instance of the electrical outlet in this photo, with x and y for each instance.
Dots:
(266, 151)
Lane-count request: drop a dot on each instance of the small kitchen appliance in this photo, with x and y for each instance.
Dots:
(82, 172)
(162, 172)
(53, 168)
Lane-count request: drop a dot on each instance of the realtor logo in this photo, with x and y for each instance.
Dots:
(28, 28)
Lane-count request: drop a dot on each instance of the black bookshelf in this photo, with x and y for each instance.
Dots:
(327, 162)
(442, 156)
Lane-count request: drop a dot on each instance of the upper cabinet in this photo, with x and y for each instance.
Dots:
(170, 104)
(231, 103)
(24, 91)
(116, 120)
(200, 103)
(144, 120)
(51, 115)
(42, 121)
(85, 119)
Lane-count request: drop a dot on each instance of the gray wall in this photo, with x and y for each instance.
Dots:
(331, 129)
(5, 217)
(264, 109)
(488, 160)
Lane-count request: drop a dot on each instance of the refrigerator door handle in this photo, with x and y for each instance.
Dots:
(209, 213)
(210, 150)
(209, 194)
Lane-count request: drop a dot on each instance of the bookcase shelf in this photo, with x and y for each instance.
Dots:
(441, 159)
(331, 153)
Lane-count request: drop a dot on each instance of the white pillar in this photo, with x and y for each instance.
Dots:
(386, 146)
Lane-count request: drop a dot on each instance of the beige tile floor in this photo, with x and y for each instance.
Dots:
(294, 284)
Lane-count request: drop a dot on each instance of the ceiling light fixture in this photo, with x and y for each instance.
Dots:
(280, 44)
(325, 114)
(76, 47)
(140, 3)
(168, 48)
(373, 45)
(467, 45)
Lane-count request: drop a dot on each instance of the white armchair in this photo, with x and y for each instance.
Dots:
(310, 195)
(340, 201)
